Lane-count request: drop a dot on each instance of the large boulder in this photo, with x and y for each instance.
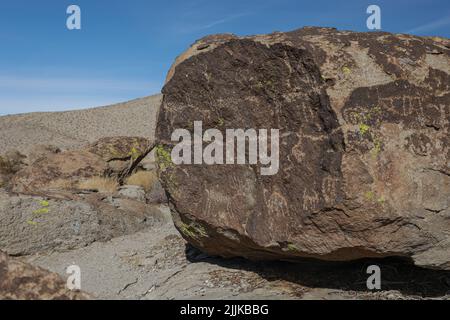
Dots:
(364, 146)
(22, 281)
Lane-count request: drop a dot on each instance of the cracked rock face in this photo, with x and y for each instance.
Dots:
(121, 153)
(364, 146)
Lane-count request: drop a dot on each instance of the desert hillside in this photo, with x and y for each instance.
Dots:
(71, 129)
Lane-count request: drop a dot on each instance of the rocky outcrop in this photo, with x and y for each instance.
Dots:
(61, 200)
(58, 171)
(49, 169)
(364, 146)
(40, 151)
(132, 192)
(122, 154)
(64, 221)
(119, 148)
(22, 281)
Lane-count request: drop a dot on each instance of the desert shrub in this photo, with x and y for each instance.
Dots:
(11, 162)
(100, 184)
(145, 179)
(5, 167)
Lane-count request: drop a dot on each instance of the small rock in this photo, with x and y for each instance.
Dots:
(148, 163)
(132, 192)
(157, 194)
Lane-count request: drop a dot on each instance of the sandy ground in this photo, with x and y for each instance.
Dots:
(72, 129)
(158, 264)
(153, 264)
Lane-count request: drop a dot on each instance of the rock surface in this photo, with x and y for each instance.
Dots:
(119, 148)
(122, 154)
(40, 151)
(31, 224)
(58, 171)
(364, 146)
(20, 280)
(133, 192)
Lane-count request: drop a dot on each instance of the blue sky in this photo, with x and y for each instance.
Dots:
(125, 48)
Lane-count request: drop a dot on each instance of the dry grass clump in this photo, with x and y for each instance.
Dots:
(100, 184)
(145, 179)
(61, 184)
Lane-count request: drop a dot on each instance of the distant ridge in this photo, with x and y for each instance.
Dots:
(71, 129)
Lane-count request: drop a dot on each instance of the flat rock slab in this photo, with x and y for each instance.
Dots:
(364, 146)
(32, 224)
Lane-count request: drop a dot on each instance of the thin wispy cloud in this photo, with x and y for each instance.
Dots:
(224, 20)
(431, 25)
(211, 24)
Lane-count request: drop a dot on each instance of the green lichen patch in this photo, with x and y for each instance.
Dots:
(134, 153)
(163, 158)
(369, 195)
(192, 230)
(164, 162)
(292, 247)
(363, 128)
(32, 223)
(371, 117)
(374, 197)
(41, 211)
(377, 147)
(44, 203)
(346, 70)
